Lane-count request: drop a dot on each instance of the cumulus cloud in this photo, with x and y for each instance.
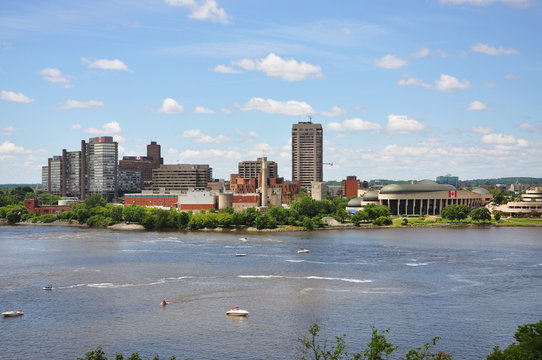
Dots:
(481, 129)
(334, 111)
(226, 110)
(516, 3)
(448, 83)
(270, 106)
(511, 77)
(402, 124)
(210, 153)
(251, 134)
(490, 84)
(75, 104)
(355, 124)
(500, 139)
(109, 128)
(105, 64)
(202, 10)
(390, 62)
(200, 137)
(15, 97)
(9, 130)
(55, 76)
(490, 50)
(421, 53)
(476, 105)
(276, 67)
(530, 127)
(170, 106)
(8, 147)
(202, 110)
(226, 69)
(413, 82)
(119, 139)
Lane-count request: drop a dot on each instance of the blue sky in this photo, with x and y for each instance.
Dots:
(404, 89)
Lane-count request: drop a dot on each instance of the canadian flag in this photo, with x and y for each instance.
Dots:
(138, 157)
(452, 193)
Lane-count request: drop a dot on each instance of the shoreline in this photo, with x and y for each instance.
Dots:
(138, 227)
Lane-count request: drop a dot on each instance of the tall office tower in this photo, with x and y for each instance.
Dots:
(71, 173)
(251, 169)
(143, 164)
(54, 176)
(99, 159)
(45, 178)
(307, 154)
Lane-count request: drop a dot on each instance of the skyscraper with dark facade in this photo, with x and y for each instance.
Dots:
(307, 153)
(143, 164)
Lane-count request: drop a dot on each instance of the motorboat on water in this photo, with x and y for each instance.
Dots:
(48, 287)
(236, 311)
(243, 239)
(302, 251)
(12, 313)
(163, 302)
(240, 254)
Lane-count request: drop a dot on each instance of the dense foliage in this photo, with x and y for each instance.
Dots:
(99, 354)
(528, 346)
(456, 212)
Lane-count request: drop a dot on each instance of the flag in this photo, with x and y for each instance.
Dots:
(452, 193)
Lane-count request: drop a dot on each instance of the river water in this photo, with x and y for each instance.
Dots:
(471, 286)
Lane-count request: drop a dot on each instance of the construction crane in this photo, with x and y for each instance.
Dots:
(330, 164)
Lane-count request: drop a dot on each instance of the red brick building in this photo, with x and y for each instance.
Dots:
(32, 206)
(165, 200)
(350, 186)
(143, 164)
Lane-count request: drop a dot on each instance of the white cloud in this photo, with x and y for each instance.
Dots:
(250, 134)
(75, 104)
(226, 69)
(530, 127)
(202, 10)
(490, 84)
(481, 129)
(110, 128)
(511, 77)
(402, 124)
(55, 76)
(170, 106)
(210, 153)
(275, 66)
(413, 82)
(334, 111)
(421, 53)
(119, 138)
(106, 64)
(262, 150)
(499, 139)
(15, 97)
(490, 50)
(9, 130)
(390, 62)
(10, 148)
(516, 3)
(202, 110)
(200, 137)
(442, 53)
(226, 110)
(476, 105)
(270, 106)
(448, 83)
(353, 125)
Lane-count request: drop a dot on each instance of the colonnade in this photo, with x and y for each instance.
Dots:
(427, 206)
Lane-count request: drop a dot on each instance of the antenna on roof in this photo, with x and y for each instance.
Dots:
(310, 118)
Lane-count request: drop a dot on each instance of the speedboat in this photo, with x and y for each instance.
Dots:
(240, 254)
(12, 313)
(302, 251)
(236, 311)
(163, 302)
(48, 287)
(243, 239)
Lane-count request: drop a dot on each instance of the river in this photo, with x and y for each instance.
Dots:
(470, 286)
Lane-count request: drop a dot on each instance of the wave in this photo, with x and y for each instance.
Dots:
(71, 286)
(358, 281)
(108, 285)
(416, 264)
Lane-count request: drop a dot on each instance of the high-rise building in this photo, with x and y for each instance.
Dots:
(71, 173)
(181, 177)
(350, 186)
(54, 180)
(45, 178)
(448, 179)
(143, 164)
(307, 153)
(251, 169)
(99, 159)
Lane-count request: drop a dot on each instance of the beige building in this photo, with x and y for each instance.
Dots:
(423, 197)
(181, 177)
(307, 153)
(532, 202)
(251, 169)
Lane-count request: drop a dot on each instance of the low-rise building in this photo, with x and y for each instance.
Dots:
(34, 208)
(198, 200)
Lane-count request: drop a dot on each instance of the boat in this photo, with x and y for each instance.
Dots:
(48, 287)
(243, 239)
(240, 254)
(302, 251)
(236, 311)
(163, 302)
(12, 313)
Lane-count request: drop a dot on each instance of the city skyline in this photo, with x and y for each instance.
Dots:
(403, 91)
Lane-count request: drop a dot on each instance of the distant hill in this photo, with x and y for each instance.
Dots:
(505, 180)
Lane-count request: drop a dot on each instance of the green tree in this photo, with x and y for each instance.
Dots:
(480, 214)
(455, 212)
(528, 346)
(359, 217)
(182, 220)
(15, 214)
(382, 220)
(95, 200)
(497, 215)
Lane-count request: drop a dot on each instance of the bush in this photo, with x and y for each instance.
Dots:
(382, 220)
(497, 215)
(47, 218)
(99, 221)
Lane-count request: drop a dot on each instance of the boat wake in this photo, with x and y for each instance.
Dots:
(357, 281)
